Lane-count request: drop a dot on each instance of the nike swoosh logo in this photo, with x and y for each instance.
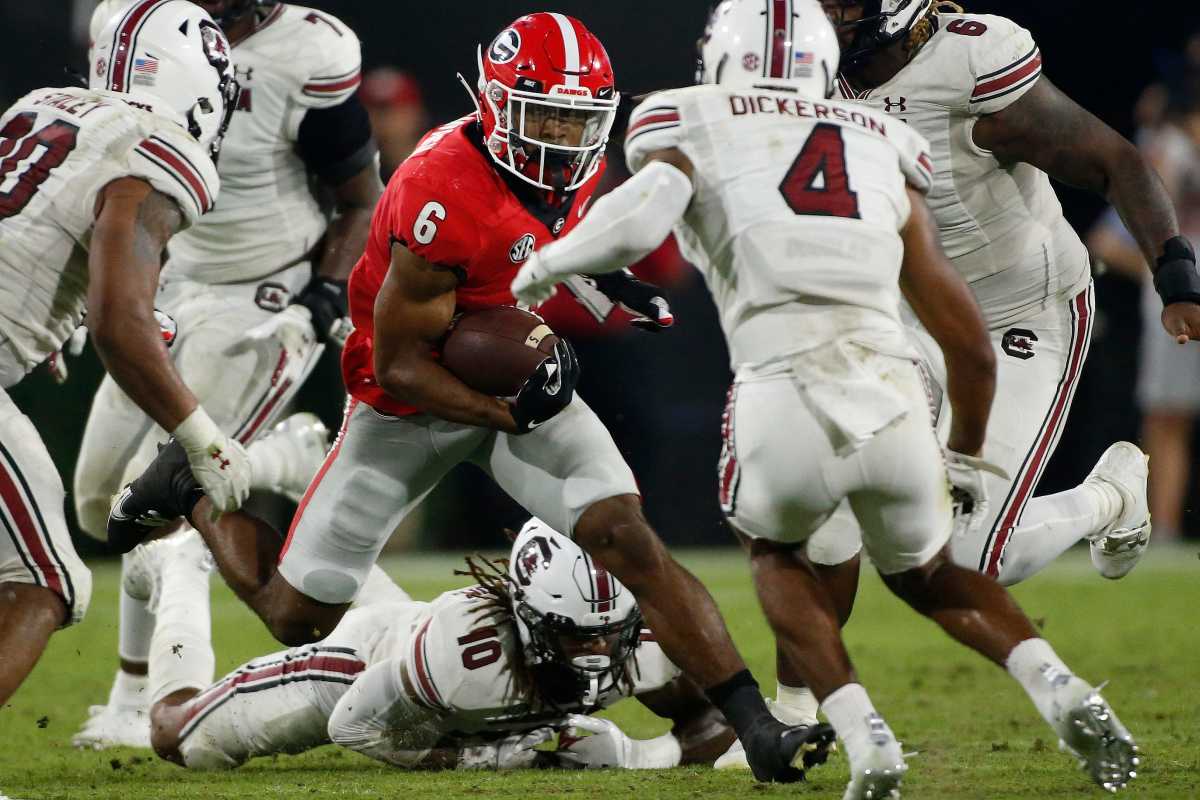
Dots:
(584, 207)
(532, 425)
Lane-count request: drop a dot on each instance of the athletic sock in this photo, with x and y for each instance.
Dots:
(129, 691)
(865, 735)
(135, 626)
(740, 700)
(1049, 683)
(1053, 523)
(181, 653)
(798, 701)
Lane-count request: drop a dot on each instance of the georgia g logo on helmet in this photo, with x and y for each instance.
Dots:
(505, 47)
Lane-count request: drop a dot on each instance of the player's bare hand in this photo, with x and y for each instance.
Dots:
(1182, 321)
(533, 285)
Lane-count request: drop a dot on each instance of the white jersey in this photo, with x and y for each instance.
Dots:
(461, 657)
(58, 149)
(1001, 225)
(796, 215)
(295, 60)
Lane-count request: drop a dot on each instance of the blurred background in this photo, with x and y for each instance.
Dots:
(1136, 67)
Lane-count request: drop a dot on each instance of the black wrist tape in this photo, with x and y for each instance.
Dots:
(1176, 279)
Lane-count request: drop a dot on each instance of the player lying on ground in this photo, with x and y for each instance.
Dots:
(97, 181)
(476, 678)
(472, 202)
(258, 287)
(805, 260)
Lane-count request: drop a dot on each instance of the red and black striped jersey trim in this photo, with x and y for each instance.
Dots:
(333, 84)
(1022, 72)
(427, 691)
(658, 118)
(170, 160)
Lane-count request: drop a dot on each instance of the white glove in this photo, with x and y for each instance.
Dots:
(57, 363)
(219, 463)
(512, 752)
(292, 328)
(968, 490)
(608, 746)
(533, 285)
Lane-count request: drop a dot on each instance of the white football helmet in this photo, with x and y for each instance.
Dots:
(168, 52)
(570, 610)
(786, 44)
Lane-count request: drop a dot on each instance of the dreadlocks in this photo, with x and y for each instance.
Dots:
(923, 29)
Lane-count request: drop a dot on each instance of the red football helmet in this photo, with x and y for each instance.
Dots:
(547, 100)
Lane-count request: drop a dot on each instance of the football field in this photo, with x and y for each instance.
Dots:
(973, 732)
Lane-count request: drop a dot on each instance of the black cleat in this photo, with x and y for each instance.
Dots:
(164, 492)
(781, 753)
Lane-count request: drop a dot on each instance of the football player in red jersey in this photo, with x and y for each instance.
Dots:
(472, 203)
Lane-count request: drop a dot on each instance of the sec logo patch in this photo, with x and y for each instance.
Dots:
(522, 248)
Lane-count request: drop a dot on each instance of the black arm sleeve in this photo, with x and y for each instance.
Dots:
(336, 142)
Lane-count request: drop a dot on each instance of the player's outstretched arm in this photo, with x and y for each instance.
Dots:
(413, 311)
(133, 224)
(1047, 129)
(623, 227)
(945, 306)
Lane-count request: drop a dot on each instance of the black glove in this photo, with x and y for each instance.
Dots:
(549, 389)
(325, 298)
(646, 300)
(1175, 278)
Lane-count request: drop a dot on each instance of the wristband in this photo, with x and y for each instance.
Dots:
(1176, 279)
(662, 752)
(197, 432)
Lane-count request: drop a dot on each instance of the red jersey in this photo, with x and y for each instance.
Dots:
(449, 204)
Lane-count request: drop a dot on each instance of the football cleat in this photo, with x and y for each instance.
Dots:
(165, 491)
(1091, 732)
(114, 725)
(781, 753)
(877, 775)
(735, 756)
(1117, 549)
(304, 440)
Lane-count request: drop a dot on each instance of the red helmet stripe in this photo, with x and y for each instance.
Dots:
(570, 48)
(604, 589)
(780, 17)
(125, 42)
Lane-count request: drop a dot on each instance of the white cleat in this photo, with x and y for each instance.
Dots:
(114, 726)
(1116, 550)
(878, 775)
(306, 440)
(735, 756)
(1091, 732)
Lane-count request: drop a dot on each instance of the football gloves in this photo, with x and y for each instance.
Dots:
(325, 299)
(219, 464)
(548, 390)
(968, 491)
(647, 301)
(512, 752)
(607, 746)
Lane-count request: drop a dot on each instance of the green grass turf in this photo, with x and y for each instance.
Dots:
(975, 733)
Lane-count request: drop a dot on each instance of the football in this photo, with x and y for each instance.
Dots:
(495, 350)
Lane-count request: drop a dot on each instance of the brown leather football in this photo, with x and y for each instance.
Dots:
(495, 350)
